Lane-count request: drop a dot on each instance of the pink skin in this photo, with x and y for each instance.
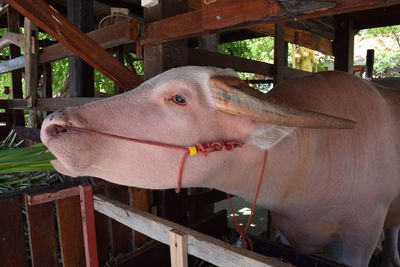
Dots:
(321, 185)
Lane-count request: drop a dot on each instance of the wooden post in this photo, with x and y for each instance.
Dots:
(81, 74)
(16, 117)
(280, 56)
(89, 227)
(370, 64)
(178, 248)
(343, 46)
(159, 58)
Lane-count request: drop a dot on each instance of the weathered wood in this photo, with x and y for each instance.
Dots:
(279, 53)
(81, 74)
(299, 37)
(178, 248)
(88, 225)
(35, 199)
(344, 44)
(199, 245)
(13, 21)
(69, 35)
(139, 199)
(42, 234)
(121, 237)
(227, 14)
(12, 38)
(12, 243)
(31, 65)
(70, 231)
(369, 73)
(49, 104)
(24, 133)
(206, 58)
(380, 17)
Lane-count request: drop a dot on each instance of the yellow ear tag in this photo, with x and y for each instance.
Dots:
(192, 150)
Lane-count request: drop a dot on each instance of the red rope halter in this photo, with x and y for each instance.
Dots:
(203, 149)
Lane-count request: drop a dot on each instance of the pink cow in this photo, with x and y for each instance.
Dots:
(323, 183)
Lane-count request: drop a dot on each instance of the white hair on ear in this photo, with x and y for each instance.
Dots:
(269, 135)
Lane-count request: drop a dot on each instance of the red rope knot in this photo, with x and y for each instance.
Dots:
(206, 148)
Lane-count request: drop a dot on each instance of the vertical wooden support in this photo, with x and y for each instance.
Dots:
(42, 234)
(16, 117)
(139, 199)
(370, 63)
(178, 248)
(343, 46)
(47, 81)
(31, 61)
(120, 235)
(12, 243)
(70, 231)
(279, 53)
(81, 74)
(89, 227)
(159, 58)
(120, 54)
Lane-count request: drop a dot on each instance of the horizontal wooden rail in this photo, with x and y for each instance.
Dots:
(199, 245)
(49, 104)
(227, 14)
(121, 33)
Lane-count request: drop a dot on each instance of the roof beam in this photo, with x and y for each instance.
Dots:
(226, 14)
(47, 18)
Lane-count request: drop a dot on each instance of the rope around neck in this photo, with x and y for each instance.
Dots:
(203, 149)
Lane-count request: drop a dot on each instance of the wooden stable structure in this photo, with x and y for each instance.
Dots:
(169, 34)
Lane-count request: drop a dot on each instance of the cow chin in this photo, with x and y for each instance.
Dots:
(61, 168)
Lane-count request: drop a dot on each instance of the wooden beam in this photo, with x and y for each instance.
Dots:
(373, 18)
(12, 38)
(206, 58)
(344, 44)
(225, 14)
(69, 35)
(107, 37)
(178, 248)
(31, 63)
(279, 53)
(199, 245)
(49, 104)
(81, 74)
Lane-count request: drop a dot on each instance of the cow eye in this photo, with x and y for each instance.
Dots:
(179, 99)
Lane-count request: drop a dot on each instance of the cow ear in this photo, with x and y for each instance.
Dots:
(267, 136)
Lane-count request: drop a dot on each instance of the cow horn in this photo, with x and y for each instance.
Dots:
(235, 96)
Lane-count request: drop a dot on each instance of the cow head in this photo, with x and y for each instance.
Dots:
(182, 106)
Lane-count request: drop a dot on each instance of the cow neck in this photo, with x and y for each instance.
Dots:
(203, 149)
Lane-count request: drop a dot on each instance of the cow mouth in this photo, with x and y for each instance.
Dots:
(55, 130)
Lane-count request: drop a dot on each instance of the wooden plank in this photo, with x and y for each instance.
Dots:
(12, 243)
(279, 53)
(206, 58)
(224, 14)
(121, 236)
(88, 225)
(121, 33)
(81, 45)
(13, 21)
(31, 67)
(139, 199)
(28, 133)
(12, 38)
(70, 231)
(42, 234)
(178, 245)
(34, 199)
(199, 245)
(81, 74)
(299, 37)
(49, 104)
(381, 17)
(344, 44)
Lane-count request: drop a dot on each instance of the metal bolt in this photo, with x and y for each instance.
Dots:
(218, 17)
